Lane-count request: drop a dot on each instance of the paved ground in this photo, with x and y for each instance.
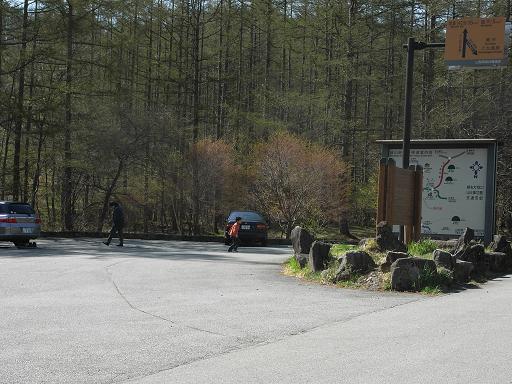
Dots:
(174, 312)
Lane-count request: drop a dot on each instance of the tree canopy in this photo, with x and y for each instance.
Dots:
(111, 99)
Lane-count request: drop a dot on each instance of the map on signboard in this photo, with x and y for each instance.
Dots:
(454, 188)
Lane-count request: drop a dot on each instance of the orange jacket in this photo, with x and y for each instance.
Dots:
(233, 232)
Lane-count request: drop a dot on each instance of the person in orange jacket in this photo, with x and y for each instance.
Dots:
(233, 233)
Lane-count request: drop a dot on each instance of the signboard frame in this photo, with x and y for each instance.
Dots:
(491, 145)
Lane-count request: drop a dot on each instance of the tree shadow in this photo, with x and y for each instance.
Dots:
(160, 249)
(478, 281)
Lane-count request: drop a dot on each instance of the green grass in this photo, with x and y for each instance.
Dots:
(353, 282)
(340, 249)
(292, 268)
(423, 248)
(293, 265)
(432, 291)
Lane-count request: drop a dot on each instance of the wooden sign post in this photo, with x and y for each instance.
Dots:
(400, 197)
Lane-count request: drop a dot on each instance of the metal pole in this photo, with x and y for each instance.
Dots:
(408, 103)
(406, 149)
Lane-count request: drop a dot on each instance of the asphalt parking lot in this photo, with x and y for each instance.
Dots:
(76, 311)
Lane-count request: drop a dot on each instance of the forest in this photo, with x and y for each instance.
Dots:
(184, 110)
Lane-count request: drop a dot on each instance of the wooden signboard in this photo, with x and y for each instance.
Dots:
(400, 197)
(477, 43)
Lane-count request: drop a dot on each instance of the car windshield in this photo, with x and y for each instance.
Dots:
(246, 216)
(20, 209)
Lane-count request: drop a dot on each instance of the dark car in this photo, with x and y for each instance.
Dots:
(253, 228)
(19, 223)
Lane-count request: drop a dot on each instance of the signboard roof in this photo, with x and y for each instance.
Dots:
(477, 43)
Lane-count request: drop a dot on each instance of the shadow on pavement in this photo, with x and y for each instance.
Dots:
(166, 250)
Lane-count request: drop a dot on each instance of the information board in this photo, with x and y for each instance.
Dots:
(458, 188)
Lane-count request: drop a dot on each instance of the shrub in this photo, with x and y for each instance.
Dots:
(340, 249)
(297, 181)
(423, 247)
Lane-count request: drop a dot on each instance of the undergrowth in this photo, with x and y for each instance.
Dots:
(423, 248)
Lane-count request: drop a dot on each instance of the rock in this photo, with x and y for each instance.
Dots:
(475, 254)
(386, 240)
(363, 242)
(406, 273)
(464, 240)
(462, 271)
(496, 261)
(472, 253)
(500, 244)
(319, 256)
(301, 241)
(342, 275)
(329, 275)
(302, 259)
(443, 259)
(354, 263)
(391, 257)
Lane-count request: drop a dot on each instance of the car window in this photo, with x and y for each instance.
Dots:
(246, 216)
(21, 209)
(4, 208)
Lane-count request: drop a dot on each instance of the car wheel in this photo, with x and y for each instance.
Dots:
(264, 243)
(21, 244)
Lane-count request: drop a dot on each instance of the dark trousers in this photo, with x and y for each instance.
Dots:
(234, 245)
(113, 231)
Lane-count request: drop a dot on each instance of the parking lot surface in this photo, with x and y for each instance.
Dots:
(76, 311)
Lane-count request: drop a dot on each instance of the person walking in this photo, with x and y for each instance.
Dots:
(233, 233)
(117, 224)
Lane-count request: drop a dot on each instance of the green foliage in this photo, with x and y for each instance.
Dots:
(423, 248)
(353, 282)
(386, 282)
(434, 283)
(293, 265)
(292, 268)
(340, 249)
(138, 106)
(371, 246)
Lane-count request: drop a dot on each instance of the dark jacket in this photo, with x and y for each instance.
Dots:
(118, 217)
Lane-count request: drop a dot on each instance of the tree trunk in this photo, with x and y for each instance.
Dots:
(67, 187)
(16, 182)
(108, 195)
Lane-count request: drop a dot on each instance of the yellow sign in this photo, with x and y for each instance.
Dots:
(475, 42)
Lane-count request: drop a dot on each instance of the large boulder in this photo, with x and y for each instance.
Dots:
(391, 257)
(475, 254)
(319, 256)
(406, 274)
(496, 261)
(500, 244)
(443, 259)
(302, 259)
(301, 240)
(357, 262)
(386, 239)
(462, 271)
(467, 237)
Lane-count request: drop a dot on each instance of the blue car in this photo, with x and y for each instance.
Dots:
(19, 223)
(253, 228)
